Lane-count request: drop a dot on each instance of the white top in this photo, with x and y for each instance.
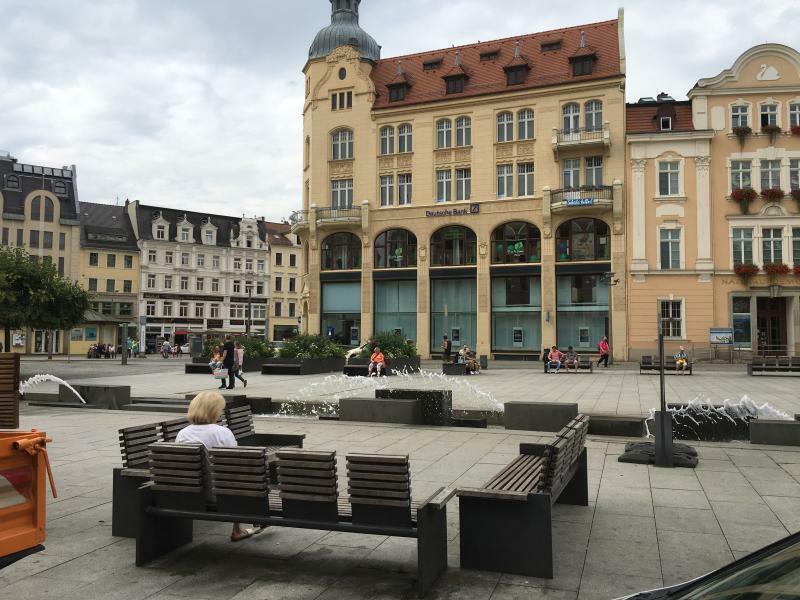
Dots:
(210, 436)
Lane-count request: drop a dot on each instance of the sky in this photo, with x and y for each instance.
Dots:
(197, 104)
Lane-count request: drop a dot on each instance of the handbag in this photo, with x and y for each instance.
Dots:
(221, 373)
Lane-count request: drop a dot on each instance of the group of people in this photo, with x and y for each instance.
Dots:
(102, 351)
(554, 359)
(465, 356)
(167, 350)
(226, 363)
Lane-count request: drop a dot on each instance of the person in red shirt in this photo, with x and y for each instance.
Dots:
(376, 361)
(605, 351)
(554, 359)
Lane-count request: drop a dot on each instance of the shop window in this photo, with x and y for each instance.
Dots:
(516, 242)
(396, 248)
(341, 251)
(453, 246)
(583, 240)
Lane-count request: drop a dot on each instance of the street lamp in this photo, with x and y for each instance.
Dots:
(611, 281)
(664, 455)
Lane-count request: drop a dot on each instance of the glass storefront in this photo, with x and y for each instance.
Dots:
(458, 299)
(42, 342)
(742, 322)
(396, 308)
(516, 313)
(341, 312)
(583, 310)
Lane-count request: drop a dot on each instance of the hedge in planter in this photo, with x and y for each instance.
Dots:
(392, 345)
(304, 347)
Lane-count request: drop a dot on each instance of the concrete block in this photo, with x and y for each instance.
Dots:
(437, 405)
(113, 397)
(454, 369)
(539, 416)
(616, 425)
(379, 410)
(776, 433)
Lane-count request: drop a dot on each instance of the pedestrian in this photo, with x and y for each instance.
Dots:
(1, 346)
(447, 348)
(112, 349)
(238, 363)
(228, 360)
(605, 351)
(165, 349)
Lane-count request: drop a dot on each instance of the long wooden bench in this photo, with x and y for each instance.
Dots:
(135, 470)
(774, 365)
(9, 391)
(306, 497)
(585, 364)
(651, 364)
(506, 524)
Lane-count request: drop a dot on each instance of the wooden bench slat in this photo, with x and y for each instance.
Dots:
(376, 459)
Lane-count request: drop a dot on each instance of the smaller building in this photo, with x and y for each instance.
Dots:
(285, 274)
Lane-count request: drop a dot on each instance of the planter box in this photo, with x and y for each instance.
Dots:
(437, 405)
(539, 416)
(775, 433)
(376, 410)
(410, 365)
(457, 369)
(255, 364)
(292, 366)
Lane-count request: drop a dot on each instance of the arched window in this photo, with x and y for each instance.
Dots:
(36, 209)
(525, 119)
(505, 127)
(572, 117)
(593, 115)
(59, 188)
(405, 138)
(463, 131)
(12, 182)
(516, 242)
(341, 251)
(48, 210)
(453, 246)
(583, 239)
(444, 134)
(396, 248)
(387, 140)
(342, 144)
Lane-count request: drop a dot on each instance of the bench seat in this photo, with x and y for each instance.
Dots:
(774, 365)
(651, 364)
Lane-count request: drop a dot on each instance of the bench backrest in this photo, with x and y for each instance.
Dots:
(784, 361)
(796, 361)
(134, 444)
(307, 484)
(240, 421)
(170, 429)
(240, 479)
(585, 362)
(177, 467)
(560, 455)
(9, 391)
(647, 361)
(380, 489)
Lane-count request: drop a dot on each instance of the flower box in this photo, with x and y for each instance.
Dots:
(744, 197)
(777, 270)
(773, 194)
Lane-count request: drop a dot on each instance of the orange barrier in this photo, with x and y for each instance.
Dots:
(23, 464)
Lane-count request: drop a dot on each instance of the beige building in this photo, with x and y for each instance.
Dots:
(285, 275)
(475, 192)
(40, 214)
(710, 188)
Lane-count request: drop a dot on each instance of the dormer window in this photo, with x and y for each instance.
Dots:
(209, 238)
(516, 75)
(59, 188)
(12, 182)
(398, 92)
(432, 64)
(249, 242)
(665, 124)
(582, 65)
(492, 54)
(184, 234)
(551, 46)
(455, 85)
(161, 232)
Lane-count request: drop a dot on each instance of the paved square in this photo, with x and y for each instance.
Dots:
(644, 527)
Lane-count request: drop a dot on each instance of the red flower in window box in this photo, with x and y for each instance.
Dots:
(777, 270)
(746, 270)
(796, 194)
(796, 130)
(797, 270)
(744, 197)
(773, 194)
(741, 133)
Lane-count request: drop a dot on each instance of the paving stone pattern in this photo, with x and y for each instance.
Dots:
(644, 527)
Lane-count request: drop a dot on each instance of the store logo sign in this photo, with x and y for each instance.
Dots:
(579, 202)
(472, 209)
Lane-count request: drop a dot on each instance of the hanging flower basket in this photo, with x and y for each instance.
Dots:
(773, 194)
(775, 270)
(744, 197)
(742, 133)
(772, 131)
(796, 130)
(746, 271)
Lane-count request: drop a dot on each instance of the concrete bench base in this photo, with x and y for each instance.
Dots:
(197, 369)
(379, 410)
(775, 433)
(456, 369)
(363, 371)
(112, 397)
(539, 416)
(437, 405)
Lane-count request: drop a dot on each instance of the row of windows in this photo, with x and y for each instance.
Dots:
(186, 234)
(111, 286)
(235, 311)
(36, 239)
(513, 243)
(772, 247)
(770, 174)
(185, 259)
(768, 115)
(111, 260)
(184, 285)
(49, 260)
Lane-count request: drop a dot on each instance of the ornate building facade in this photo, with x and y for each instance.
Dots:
(475, 192)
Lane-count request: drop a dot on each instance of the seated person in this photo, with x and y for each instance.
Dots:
(463, 354)
(554, 358)
(472, 364)
(571, 359)
(204, 412)
(376, 361)
(681, 360)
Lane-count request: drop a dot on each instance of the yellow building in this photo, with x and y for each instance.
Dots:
(40, 214)
(110, 271)
(285, 275)
(475, 191)
(711, 183)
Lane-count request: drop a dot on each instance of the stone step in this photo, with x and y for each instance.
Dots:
(56, 404)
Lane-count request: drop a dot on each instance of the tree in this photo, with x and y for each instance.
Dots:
(59, 306)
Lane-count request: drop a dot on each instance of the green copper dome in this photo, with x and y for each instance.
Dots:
(344, 30)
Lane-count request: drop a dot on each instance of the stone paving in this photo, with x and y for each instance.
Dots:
(620, 390)
(644, 527)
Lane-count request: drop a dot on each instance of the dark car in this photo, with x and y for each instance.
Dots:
(772, 573)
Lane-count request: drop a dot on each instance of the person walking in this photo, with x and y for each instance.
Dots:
(165, 349)
(447, 348)
(228, 360)
(605, 352)
(238, 364)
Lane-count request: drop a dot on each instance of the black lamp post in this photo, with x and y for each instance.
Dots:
(664, 454)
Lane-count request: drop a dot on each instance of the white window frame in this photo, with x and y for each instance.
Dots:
(682, 302)
(405, 138)
(183, 310)
(213, 311)
(169, 257)
(571, 117)
(740, 174)
(152, 256)
(167, 282)
(772, 109)
(260, 265)
(208, 236)
(525, 179)
(215, 262)
(199, 310)
(387, 190)
(215, 285)
(387, 140)
(505, 127)
(665, 123)
(342, 144)
(594, 171)
(737, 256)
(200, 284)
(681, 247)
(463, 184)
(526, 119)
(161, 232)
(166, 309)
(762, 171)
(186, 259)
(505, 181)
(184, 234)
(151, 282)
(571, 170)
(405, 189)
(463, 131)
(342, 193)
(184, 284)
(593, 115)
(444, 134)
(674, 176)
(736, 117)
(444, 185)
(794, 174)
(773, 240)
(201, 260)
(794, 113)
(150, 309)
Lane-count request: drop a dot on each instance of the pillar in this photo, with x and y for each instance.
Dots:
(548, 274)
(639, 214)
(704, 261)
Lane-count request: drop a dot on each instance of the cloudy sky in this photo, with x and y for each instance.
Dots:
(197, 103)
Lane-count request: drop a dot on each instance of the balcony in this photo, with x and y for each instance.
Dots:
(586, 197)
(581, 138)
(325, 218)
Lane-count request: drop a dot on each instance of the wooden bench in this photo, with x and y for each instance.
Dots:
(650, 364)
(363, 371)
(774, 365)
(306, 497)
(506, 524)
(9, 391)
(585, 364)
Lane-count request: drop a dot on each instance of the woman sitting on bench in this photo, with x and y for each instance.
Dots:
(681, 360)
(571, 359)
(376, 361)
(204, 412)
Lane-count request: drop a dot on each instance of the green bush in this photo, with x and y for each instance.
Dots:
(208, 346)
(254, 347)
(392, 345)
(310, 346)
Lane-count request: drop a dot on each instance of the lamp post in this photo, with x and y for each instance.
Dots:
(664, 455)
(610, 281)
(124, 342)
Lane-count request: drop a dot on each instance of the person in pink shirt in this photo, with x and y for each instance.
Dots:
(554, 359)
(238, 363)
(605, 351)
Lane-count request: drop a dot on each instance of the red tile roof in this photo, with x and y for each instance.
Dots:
(642, 118)
(488, 77)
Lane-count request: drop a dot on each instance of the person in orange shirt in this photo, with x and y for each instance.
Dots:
(376, 361)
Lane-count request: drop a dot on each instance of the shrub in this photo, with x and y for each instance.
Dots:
(744, 197)
(741, 133)
(208, 346)
(256, 348)
(311, 346)
(392, 345)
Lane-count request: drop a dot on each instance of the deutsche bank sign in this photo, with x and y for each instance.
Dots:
(472, 209)
(579, 202)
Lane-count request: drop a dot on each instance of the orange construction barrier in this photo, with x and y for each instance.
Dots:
(23, 465)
